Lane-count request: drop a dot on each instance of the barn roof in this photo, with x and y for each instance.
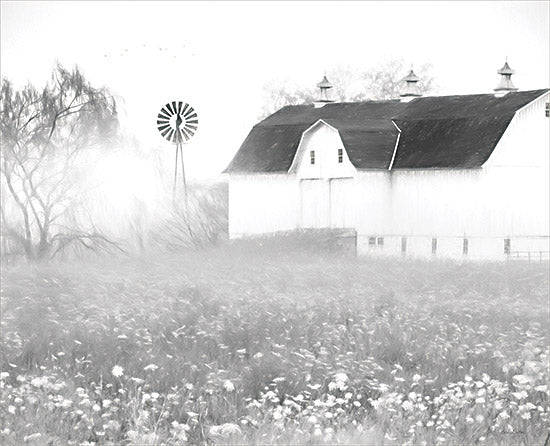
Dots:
(440, 131)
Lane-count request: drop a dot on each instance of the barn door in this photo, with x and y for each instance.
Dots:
(315, 203)
(340, 202)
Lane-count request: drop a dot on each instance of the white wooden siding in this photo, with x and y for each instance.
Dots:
(314, 194)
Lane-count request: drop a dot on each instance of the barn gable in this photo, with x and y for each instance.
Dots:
(434, 132)
(321, 154)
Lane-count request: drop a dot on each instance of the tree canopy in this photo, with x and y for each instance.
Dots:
(45, 133)
(350, 85)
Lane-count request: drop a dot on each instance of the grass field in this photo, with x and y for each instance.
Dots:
(244, 346)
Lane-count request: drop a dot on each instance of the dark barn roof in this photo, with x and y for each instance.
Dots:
(436, 132)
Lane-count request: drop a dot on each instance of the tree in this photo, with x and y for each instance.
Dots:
(46, 135)
(350, 85)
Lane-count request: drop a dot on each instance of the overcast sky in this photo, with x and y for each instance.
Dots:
(217, 56)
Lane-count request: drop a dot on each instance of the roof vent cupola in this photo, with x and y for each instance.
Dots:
(324, 86)
(411, 90)
(505, 85)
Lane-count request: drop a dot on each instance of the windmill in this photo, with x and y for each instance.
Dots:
(178, 122)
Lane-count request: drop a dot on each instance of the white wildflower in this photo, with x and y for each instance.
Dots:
(117, 371)
(150, 367)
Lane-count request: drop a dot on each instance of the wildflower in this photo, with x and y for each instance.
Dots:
(4, 375)
(312, 419)
(228, 386)
(520, 380)
(526, 415)
(32, 437)
(151, 367)
(480, 418)
(407, 405)
(416, 377)
(520, 395)
(117, 371)
(138, 381)
(66, 404)
(96, 408)
(469, 419)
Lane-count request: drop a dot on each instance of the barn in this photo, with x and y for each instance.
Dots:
(448, 176)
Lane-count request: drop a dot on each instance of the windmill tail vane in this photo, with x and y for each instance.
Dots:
(178, 122)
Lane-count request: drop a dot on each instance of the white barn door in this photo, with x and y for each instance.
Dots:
(315, 203)
(340, 200)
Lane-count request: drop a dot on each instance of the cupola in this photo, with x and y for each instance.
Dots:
(411, 89)
(505, 84)
(324, 87)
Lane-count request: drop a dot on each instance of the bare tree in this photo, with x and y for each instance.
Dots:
(350, 85)
(45, 134)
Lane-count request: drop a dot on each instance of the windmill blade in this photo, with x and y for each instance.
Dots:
(165, 132)
(192, 121)
(190, 130)
(163, 121)
(184, 110)
(186, 134)
(170, 134)
(190, 113)
(163, 114)
(175, 107)
(180, 105)
(164, 127)
(170, 109)
(191, 127)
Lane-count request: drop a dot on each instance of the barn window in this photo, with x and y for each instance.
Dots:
(312, 156)
(380, 241)
(507, 245)
(434, 245)
(403, 244)
(548, 109)
(340, 155)
(372, 241)
(465, 246)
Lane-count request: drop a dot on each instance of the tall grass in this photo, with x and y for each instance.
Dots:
(261, 343)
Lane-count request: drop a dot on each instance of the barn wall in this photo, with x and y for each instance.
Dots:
(262, 204)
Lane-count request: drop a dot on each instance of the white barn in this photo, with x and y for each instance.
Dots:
(449, 176)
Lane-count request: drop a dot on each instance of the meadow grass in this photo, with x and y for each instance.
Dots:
(271, 342)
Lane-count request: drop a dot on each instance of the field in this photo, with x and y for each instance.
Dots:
(252, 344)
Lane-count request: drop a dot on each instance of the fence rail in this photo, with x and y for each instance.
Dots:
(529, 255)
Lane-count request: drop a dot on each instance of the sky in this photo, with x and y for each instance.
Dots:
(217, 56)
